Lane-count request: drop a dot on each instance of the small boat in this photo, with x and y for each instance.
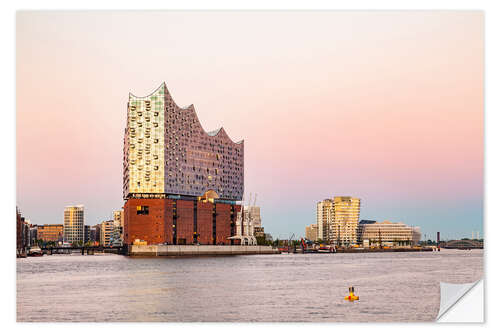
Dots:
(283, 249)
(35, 252)
(326, 249)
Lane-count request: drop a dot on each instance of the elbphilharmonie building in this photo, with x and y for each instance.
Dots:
(167, 151)
(171, 164)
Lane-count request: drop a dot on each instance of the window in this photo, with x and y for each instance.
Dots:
(142, 210)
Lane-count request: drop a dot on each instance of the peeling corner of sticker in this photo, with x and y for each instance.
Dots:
(451, 295)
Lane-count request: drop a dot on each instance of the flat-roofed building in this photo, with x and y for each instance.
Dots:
(248, 225)
(50, 232)
(337, 220)
(343, 229)
(388, 233)
(324, 217)
(33, 234)
(312, 232)
(95, 233)
(118, 217)
(107, 232)
(74, 230)
(118, 221)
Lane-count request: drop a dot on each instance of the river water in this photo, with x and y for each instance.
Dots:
(398, 287)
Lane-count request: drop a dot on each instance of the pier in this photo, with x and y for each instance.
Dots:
(197, 250)
(84, 250)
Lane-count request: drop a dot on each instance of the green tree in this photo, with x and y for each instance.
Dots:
(261, 240)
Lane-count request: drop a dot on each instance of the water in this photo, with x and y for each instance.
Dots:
(301, 287)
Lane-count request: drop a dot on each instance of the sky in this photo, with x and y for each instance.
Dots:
(384, 106)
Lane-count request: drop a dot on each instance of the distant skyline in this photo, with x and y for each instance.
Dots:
(384, 106)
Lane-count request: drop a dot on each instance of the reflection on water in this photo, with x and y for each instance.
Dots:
(300, 287)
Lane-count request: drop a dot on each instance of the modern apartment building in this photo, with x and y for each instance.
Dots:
(312, 232)
(388, 234)
(73, 224)
(107, 232)
(343, 229)
(324, 217)
(337, 220)
(180, 183)
(118, 219)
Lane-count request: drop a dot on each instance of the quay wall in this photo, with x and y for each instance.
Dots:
(401, 249)
(197, 250)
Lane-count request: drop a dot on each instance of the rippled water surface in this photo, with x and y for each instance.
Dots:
(286, 287)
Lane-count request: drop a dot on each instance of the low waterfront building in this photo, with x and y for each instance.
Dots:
(248, 225)
(360, 230)
(87, 234)
(23, 232)
(19, 231)
(33, 234)
(388, 234)
(259, 231)
(50, 232)
(312, 232)
(95, 233)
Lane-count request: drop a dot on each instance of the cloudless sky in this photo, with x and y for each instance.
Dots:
(384, 106)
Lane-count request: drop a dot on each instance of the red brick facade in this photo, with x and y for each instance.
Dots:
(223, 228)
(205, 223)
(150, 227)
(157, 225)
(185, 222)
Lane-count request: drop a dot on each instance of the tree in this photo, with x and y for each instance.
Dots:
(261, 240)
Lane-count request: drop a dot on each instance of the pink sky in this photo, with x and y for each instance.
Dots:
(386, 106)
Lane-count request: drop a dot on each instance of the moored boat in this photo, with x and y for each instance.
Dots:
(35, 252)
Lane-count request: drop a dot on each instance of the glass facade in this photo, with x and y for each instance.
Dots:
(166, 151)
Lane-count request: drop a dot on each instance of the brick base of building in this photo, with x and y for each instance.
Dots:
(179, 221)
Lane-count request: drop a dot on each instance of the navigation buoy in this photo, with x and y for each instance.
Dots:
(351, 296)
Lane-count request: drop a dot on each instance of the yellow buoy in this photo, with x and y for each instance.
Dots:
(351, 296)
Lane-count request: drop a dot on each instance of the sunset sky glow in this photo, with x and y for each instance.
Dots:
(384, 106)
